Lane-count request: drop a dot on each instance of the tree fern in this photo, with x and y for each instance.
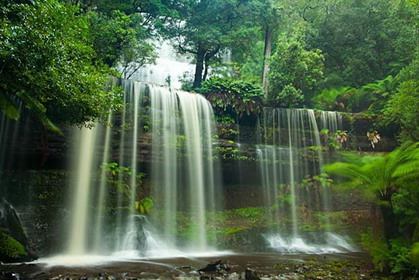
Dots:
(378, 173)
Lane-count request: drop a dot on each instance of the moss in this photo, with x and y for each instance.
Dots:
(232, 230)
(414, 255)
(10, 248)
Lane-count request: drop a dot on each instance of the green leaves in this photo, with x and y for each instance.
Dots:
(144, 206)
(46, 62)
(39, 110)
(381, 175)
(228, 94)
(294, 71)
(8, 107)
(403, 106)
(380, 37)
(118, 37)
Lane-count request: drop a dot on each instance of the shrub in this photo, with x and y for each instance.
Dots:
(232, 96)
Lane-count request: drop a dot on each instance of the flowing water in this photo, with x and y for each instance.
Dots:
(291, 160)
(110, 192)
(169, 68)
(158, 152)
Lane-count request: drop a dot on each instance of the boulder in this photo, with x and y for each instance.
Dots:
(14, 245)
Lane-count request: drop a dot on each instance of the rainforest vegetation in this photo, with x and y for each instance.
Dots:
(353, 56)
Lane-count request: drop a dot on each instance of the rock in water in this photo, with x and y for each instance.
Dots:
(250, 274)
(217, 266)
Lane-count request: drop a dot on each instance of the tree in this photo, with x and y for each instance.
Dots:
(46, 63)
(293, 65)
(266, 14)
(203, 29)
(363, 41)
(120, 39)
(403, 106)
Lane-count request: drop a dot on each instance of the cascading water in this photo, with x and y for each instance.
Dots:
(291, 153)
(168, 70)
(181, 168)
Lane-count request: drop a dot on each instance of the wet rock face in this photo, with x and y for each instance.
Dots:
(9, 222)
(14, 246)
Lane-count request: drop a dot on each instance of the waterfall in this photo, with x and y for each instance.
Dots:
(81, 205)
(290, 150)
(179, 127)
(102, 187)
(169, 69)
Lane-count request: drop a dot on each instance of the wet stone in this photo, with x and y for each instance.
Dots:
(250, 274)
(233, 276)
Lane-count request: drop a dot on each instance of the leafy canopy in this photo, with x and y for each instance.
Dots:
(292, 65)
(46, 63)
(233, 96)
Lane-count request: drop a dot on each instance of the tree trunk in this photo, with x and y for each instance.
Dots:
(206, 68)
(199, 68)
(390, 224)
(266, 55)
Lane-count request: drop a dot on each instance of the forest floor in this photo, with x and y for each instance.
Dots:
(231, 267)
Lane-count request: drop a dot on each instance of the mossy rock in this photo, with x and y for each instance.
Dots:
(414, 254)
(11, 250)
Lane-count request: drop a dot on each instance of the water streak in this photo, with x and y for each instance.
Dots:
(181, 168)
(291, 152)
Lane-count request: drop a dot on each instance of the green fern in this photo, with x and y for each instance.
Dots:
(378, 174)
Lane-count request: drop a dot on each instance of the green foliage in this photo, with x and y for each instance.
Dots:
(379, 41)
(289, 97)
(231, 231)
(144, 206)
(395, 255)
(379, 93)
(334, 140)
(250, 212)
(378, 250)
(120, 38)
(10, 248)
(328, 99)
(391, 181)
(371, 97)
(400, 261)
(321, 180)
(414, 255)
(232, 96)
(46, 62)
(406, 207)
(9, 107)
(283, 199)
(114, 170)
(119, 177)
(295, 66)
(203, 29)
(248, 62)
(379, 175)
(403, 106)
